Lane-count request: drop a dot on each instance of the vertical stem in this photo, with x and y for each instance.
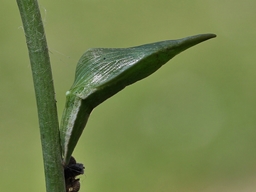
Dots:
(45, 95)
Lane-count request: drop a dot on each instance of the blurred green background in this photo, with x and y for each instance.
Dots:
(190, 127)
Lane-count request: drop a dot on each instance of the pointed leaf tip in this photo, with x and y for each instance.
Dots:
(102, 72)
(187, 42)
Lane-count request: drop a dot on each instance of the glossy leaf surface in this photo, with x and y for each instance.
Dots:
(102, 72)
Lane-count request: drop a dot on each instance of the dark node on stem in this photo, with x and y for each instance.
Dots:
(72, 170)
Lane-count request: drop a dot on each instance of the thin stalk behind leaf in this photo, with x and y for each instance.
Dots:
(102, 72)
(45, 95)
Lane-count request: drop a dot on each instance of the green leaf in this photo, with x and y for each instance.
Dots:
(102, 72)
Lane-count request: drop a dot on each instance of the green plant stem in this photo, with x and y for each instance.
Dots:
(45, 95)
